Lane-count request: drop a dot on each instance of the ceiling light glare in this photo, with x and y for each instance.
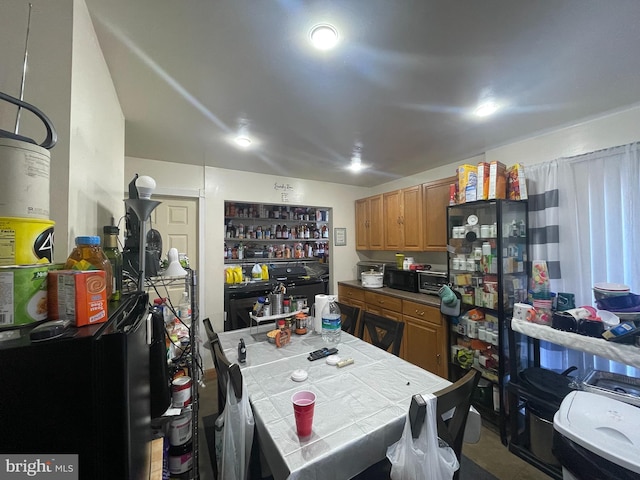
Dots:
(324, 37)
(356, 164)
(486, 108)
(243, 141)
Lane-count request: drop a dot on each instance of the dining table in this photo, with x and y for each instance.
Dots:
(360, 408)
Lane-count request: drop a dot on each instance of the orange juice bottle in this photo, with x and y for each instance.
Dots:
(88, 255)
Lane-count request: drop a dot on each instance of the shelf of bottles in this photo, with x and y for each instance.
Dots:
(258, 231)
(487, 264)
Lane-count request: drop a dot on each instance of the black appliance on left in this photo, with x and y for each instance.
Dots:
(85, 393)
(131, 251)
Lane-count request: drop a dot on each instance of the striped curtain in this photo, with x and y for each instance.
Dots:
(544, 228)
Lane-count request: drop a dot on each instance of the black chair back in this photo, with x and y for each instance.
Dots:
(456, 396)
(384, 332)
(211, 335)
(350, 316)
(226, 372)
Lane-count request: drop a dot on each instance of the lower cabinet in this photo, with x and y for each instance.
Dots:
(352, 296)
(424, 341)
(385, 306)
(425, 337)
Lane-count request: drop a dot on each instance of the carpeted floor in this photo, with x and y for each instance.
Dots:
(469, 470)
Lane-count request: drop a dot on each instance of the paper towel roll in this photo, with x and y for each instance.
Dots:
(320, 302)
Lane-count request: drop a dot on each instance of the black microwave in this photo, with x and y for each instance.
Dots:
(406, 280)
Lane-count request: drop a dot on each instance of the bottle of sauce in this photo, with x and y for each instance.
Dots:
(88, 255)
(114, 255)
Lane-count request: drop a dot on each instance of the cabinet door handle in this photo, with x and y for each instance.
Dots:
(438, 357)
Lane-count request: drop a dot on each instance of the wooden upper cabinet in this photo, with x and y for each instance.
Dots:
(436, 200)
(376, 223)
(412, 219)
(409, 219)
(369, 223)
(362, 227)
(403, 227)
(392, 213)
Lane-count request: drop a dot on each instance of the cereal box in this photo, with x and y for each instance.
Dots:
(497, 180)
(482, 191)
(516, 182)
(467, 181)
(78, 295)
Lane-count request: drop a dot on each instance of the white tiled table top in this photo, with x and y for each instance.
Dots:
(360, 409)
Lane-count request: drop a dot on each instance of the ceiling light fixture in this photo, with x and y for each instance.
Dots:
(356, 158)
(324, 36)
(356, 164)
(486, 108)
(243, 141)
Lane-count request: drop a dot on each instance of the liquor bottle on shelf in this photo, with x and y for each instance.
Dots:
(114, 255)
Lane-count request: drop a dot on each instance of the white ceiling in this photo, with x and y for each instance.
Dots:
(402, 81)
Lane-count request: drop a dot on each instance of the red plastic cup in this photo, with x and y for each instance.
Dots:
(303, 406)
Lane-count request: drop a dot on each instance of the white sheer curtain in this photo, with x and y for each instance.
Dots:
(600, 208)
(599, 219)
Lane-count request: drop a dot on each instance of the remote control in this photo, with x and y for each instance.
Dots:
(325, 352)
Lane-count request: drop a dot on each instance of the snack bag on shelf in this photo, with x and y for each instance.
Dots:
(516, 182)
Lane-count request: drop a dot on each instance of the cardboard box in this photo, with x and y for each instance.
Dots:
(78, 295)
(516, 182)
(467, 182)
(482, 191)
(497, 180)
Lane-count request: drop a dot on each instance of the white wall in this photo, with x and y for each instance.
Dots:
(615, 128)
(68, 80)
(96, 157)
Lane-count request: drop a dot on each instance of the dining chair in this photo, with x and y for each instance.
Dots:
(384, 332)
(456, 396)
(226, 372)
(350, 315)
(211, 335)
(450, 427)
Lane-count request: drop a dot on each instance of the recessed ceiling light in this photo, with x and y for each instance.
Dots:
(486, 108)
(243, 141)
(324, 36)
(356, 164)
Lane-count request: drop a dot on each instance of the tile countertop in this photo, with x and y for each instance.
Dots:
(431, 300)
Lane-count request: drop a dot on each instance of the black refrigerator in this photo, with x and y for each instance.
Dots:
(85, 393)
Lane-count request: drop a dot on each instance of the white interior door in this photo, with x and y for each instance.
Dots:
(176, 218)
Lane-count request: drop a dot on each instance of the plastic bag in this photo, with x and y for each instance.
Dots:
(237, 435)
(422, 458)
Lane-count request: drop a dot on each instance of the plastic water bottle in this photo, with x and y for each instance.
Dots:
(331, 322)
